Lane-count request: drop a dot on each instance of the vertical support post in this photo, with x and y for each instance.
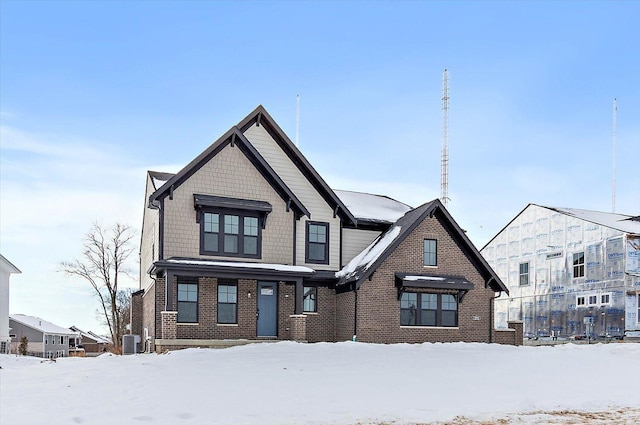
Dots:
(168, 302)
(299, 297)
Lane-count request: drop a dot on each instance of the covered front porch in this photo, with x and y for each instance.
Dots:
(219, 304)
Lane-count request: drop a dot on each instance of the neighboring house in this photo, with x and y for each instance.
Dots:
(248, 242)
(6, 269)
(569, 272)
(44, 338)
(88, 341)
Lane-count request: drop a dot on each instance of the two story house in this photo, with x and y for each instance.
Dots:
(248, 242)
(571, 272)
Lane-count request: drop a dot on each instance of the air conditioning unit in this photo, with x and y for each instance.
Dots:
(130, 343)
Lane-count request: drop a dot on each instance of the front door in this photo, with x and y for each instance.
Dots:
(267, 308)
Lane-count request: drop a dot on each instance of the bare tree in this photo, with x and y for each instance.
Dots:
(102, 263)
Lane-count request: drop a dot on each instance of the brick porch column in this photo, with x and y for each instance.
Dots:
(298, 327)
(169, 328)
(517, 325)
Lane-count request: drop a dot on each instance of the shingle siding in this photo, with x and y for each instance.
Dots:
(228, 174)
(149, 240)
(308, 195)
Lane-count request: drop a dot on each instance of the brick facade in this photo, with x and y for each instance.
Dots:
(379, 307)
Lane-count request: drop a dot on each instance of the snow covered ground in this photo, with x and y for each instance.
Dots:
(342, 383)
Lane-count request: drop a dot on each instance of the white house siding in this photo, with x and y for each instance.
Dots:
(228, 174)
(547, 240)
(6, 269)
(149, 239)
(354, 241)
(310, 198)
(4, 309)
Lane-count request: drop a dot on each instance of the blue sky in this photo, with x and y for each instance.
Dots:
(93, 94)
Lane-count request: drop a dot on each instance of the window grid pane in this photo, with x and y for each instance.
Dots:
(423, 309)
(430, 250)
(231, 224)
(250, 245)
(250, 226)
(227, 303)
(524, 274)
(309, 299)
(578, 264)
(211, 223)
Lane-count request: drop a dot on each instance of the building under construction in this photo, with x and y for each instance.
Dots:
(570, 272)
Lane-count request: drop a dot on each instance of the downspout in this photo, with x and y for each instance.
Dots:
(295, 235)
(355, 314)
(147, 344)
(486, 285)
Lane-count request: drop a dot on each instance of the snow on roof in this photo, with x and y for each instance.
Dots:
(263, 266)
(90, 335)
(419, 278)
(369, 255)
(99, 338)
(366, 206)
(159, 178)
(40, 324)
(622, 222)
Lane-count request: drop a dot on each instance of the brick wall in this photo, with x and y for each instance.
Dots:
(298, 327)
(321, 325)
(135, 318)
(169, 320)
(379, 308)
(149, 310)
(345, 304)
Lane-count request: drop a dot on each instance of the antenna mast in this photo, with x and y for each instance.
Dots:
(297, 119)
(615, 122)
(444, 175)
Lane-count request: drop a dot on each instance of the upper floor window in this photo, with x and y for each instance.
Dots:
(578, 264)
(420, 309)
(317, 250)
(187, 301)
(310, 304)
(605, 298)
(430, 252)
(231, 233)
(593, 299)
(524, 274)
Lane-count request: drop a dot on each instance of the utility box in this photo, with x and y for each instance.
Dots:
(130, 343)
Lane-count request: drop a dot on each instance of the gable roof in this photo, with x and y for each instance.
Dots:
(232, 137)
(7, 266)
(364, 264)
(90, 335)
(260, 116)
(40, 324)
(371, 208)
(235, 135)
(622, 222)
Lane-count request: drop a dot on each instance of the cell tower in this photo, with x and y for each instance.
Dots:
(444, 174)
(613, 186)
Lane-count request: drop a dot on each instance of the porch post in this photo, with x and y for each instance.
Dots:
(168, 302)
(299, 297)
